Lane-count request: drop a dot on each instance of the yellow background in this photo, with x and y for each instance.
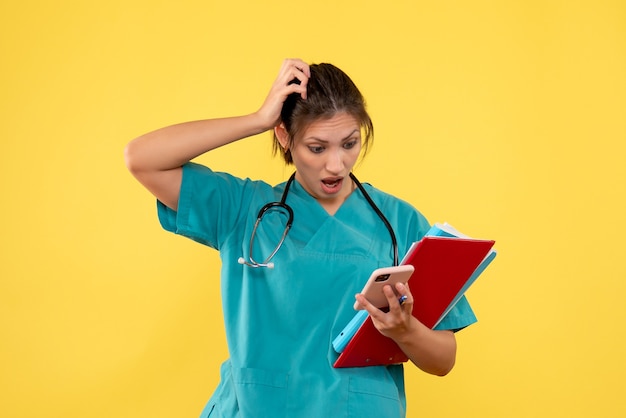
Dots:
(505, 118)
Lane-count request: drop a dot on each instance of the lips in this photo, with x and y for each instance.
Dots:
(332, 185)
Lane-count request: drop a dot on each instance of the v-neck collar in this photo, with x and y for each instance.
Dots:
(301, 192)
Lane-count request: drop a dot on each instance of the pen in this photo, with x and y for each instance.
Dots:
(402, 299)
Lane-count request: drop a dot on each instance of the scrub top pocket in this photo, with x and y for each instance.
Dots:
(371, 397)
(265, 392)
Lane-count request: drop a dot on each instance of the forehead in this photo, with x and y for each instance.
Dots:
(337, 127)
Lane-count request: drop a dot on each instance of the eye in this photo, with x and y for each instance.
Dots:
(316, 149)
(350, 144)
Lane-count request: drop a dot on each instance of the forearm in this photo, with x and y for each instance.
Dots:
(432, 351)
(156, 158)
(171, 147)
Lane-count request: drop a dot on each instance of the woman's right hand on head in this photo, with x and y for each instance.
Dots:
(291, 69)
(156, 158)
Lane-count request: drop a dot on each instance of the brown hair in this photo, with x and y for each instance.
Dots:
(329, 91)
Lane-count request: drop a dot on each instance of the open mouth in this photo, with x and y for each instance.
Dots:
(332, 185)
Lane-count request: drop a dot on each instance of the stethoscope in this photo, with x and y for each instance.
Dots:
(283, 206)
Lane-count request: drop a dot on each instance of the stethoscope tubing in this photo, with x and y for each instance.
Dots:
(283, 205)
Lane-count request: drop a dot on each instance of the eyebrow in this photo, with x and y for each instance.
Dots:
(323, 141)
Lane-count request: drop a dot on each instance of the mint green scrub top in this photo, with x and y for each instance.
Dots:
(280, 322)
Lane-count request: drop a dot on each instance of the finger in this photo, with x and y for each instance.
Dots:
(285, 84)
(296, 69)
(303, 81)
(374, 312)
(403, 290)
(296, 88)
(398, 299)
(392, 296)
(385, 322)
(404, 298)
(304, 67)
(299, 65)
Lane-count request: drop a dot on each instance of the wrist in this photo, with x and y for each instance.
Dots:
(413, 331)
(263, 122)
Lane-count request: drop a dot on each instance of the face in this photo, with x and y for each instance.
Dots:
(324, 155)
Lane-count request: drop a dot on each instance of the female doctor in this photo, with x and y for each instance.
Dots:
(295, 255)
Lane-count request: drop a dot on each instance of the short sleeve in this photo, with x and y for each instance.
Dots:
(209, 205)
(459, 317)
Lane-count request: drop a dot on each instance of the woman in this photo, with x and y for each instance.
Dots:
(285, 301)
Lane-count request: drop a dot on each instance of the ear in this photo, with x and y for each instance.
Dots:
(282, 135)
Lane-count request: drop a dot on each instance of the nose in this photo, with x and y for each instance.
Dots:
(334, 163)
